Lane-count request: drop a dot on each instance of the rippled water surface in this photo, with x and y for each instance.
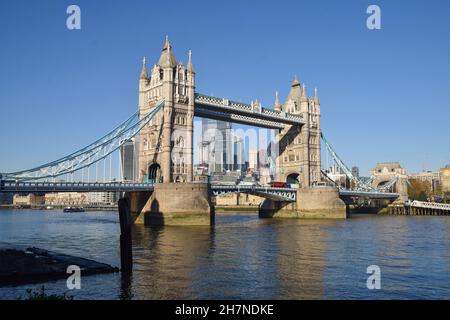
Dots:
(244, 257)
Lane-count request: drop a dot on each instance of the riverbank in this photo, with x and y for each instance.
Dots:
(237, 209)
(56, 208)
(22, 265)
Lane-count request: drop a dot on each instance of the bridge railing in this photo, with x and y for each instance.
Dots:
(18, 186)
(428, 205)
(234, 105)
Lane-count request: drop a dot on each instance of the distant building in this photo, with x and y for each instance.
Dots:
(355, 171)
(433, 178)
(337, 175)
(253, 160)
(28, 200)
(227, 178)
(103, 198)
(129, 161)
(238, 154)
(445, 178)
(216, 147)
(66, 199)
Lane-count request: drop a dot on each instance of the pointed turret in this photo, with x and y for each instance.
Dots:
(190, 66)
(144, 74)
(296, 91)
(167, 59)
(277, 105)
(316, 96)
(304, 95)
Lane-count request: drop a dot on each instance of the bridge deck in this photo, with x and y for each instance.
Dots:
(232, 111)
(22, 187)
(277, 194)
(368, 194)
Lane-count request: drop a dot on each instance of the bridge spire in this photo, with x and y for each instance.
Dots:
(167, 59)
(144, 74)
(316, 95)
(190, 66)
(277, 105)
(295, 94)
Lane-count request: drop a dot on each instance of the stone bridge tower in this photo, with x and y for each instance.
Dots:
(165, 148)
(165, 145)
(299, 148)
(384, 172)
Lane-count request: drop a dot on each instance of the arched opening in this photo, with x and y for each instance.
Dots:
(393, 188)
(292, 178)
(153, 172)
(154, 207)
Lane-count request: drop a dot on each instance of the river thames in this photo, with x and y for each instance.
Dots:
(244, 257)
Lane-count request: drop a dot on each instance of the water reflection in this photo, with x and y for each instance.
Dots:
(246, 257)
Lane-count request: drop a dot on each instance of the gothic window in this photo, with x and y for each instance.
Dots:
(145, 144)
(180, 142)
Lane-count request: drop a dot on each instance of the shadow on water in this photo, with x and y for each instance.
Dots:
(167, 259)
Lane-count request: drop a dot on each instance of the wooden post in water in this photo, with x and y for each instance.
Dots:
(126, 253)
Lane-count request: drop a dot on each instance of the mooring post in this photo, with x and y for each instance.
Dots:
(126, 254)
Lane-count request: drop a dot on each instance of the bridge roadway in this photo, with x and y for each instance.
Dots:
(30, 187)
(277, 194)
(368, 194)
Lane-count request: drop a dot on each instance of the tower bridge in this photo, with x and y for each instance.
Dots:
(164, 190)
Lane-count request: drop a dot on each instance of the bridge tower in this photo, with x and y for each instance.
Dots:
(165, 147)
(384, 172)
(166, 153)
(298, 160)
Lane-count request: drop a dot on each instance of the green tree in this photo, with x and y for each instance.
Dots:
(419, 190)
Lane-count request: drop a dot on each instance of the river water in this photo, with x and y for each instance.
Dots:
(244, 257)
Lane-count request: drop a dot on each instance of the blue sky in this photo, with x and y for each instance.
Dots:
(384, 94)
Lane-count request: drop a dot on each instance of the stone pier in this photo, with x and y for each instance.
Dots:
(173, 204)
(314, 203)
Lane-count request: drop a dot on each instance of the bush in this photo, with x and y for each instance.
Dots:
(41, 295)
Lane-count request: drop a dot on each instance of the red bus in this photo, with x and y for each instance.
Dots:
(277, 184)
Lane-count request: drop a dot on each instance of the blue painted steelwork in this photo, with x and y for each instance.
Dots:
(38, 187)
(89, 155)
(277, 194)
(359, 184)
(368, 194)
(228, 110)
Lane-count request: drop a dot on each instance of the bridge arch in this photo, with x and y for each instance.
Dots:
(384, 182)
(292, 178)
(154, 171)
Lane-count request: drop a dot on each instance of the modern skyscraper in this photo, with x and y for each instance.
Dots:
(253, 159)
(217, 146)
(355, 171)
(128, 158)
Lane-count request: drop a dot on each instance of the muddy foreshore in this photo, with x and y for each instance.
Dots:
(22, 265)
